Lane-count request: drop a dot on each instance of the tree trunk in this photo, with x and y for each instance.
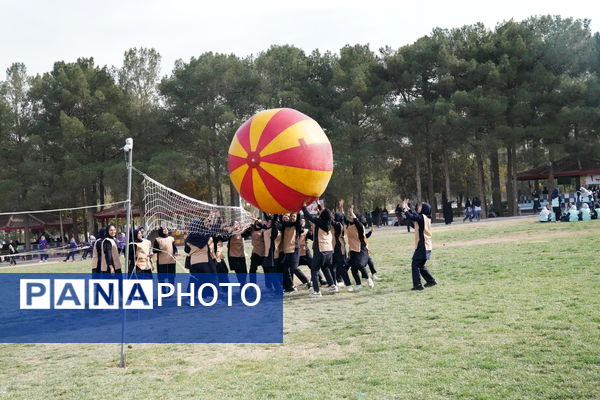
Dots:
(418, 179)
(101, 191)
(75, 217)
(209, 180)
(357, 186)
(481, 184)
(430, 193)
(551, 184)
(27, 233)
(446, 175)
(495, 176)
(511, 188)
(234, 198)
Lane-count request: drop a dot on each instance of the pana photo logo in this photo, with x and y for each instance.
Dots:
(136, 294)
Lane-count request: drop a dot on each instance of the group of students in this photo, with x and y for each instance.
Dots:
(279, 245)
(584, 210)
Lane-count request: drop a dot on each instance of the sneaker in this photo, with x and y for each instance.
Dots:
(430, 284)
(370, 282)
(308, 285)
(292, 290)
(341, 284)
(375, 277)
(315, 294)
(420, 287)
(350, 288)
(358, 287)
(333, 289)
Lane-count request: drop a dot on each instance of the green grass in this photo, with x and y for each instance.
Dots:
(516, 316)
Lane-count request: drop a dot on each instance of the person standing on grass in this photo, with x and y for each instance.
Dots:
(555, 201)
(271, 262)
(423, 244)
(164, 246)
(12, 250)
(359, 251)
(236, 253)
(43, 245)
(290, 244)
(322, 249)
(106, 258)
(121, 242)
(258, 248)
(140, 254)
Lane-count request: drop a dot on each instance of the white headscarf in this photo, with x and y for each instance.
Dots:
(585, 205)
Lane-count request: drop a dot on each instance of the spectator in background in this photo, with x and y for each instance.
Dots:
(585, 213)
(369, 218)
(572, 214)
(72, 250)
(12, 250)
(43, 245)
(477, 208)
(469, 214)
(448, 213)
(546, 214)
(87, 247)
(587, 196)
(596, 212)
(555, 202)
(122, 242)
(384, 216)
(377, 216)
(536, 200)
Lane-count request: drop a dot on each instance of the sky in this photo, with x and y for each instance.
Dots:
(40, 32)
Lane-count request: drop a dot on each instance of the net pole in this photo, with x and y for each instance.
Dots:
(128, 148)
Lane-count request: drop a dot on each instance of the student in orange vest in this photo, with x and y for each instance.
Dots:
(271, 262)
(305, 255)
(106, 258)
(322, 249)
(140, 254)
(423, 245)
(258, 247)
(166, 250)
(235, 250)
(359, 250)
(292, 230)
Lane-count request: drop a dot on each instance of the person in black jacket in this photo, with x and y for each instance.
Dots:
(290, 245)
(422, 219)
(322, 249)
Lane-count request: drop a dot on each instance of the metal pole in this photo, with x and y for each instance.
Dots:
(62, 234)
(128, 148)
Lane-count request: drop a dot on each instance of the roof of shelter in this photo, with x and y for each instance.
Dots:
(568, 166)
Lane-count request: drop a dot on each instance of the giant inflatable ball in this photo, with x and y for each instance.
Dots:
(279, 159)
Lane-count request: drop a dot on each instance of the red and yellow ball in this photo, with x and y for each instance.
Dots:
(279, 159)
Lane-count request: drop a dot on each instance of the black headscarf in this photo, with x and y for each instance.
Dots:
(133, 236)
(196, 237)
(102, 233)
(161, 232)
(554, 193)
(426, 209)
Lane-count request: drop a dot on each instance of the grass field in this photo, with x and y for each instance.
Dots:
(516, 316)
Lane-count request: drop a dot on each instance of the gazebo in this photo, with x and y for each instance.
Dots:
(13, 222)
(571, 172)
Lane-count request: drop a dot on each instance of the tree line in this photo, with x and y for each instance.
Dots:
(456, 113)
